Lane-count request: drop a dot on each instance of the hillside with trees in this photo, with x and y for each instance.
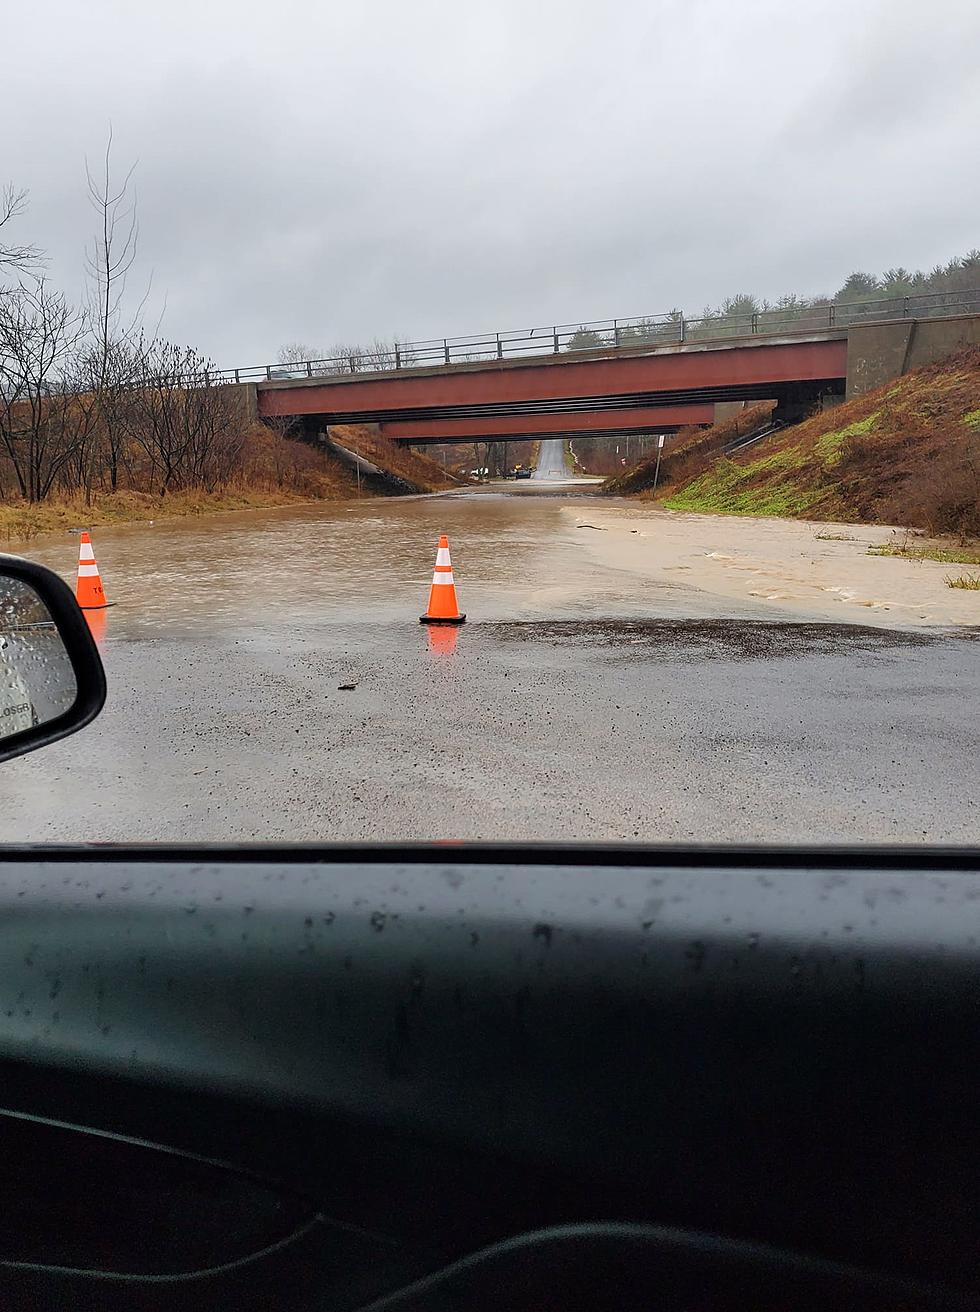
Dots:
(862, 296)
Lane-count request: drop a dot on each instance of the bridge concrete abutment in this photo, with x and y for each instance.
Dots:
(877, 353)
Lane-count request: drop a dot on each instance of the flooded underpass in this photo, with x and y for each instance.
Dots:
(268, 678)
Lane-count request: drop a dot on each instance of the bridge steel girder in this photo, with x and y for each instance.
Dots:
(576, 423)
(558, 385)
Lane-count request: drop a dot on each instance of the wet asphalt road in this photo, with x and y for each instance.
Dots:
(578, 702)
(550, 465)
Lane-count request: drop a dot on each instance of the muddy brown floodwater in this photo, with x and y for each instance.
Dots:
(583, 699)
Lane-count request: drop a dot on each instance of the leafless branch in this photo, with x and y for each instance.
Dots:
(15, 258)
(111, 256)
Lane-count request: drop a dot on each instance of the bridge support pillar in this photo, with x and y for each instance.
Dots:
(794, 405)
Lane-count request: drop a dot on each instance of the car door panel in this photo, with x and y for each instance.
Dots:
(418, 1056)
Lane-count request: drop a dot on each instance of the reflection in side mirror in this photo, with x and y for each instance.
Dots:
(37, 682)
(51, 679)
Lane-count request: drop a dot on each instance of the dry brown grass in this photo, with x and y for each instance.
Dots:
(274, 471)
(419, 471)
(918, 463)
(21, 522)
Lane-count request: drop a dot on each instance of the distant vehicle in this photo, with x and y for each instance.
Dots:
(523, 473)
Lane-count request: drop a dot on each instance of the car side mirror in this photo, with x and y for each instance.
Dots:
(51, 676)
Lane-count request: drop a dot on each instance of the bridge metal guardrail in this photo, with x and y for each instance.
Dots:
(638, 330)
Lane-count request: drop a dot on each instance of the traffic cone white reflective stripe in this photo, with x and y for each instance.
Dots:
(443, 608)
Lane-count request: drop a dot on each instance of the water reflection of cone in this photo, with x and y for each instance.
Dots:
(442, 638)
(98, 623)
(443, 608)
(88, 587)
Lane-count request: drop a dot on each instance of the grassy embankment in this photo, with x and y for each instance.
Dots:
(21, 522)
(421, 472)
(906, 454)
(271, 470)
(275, 471)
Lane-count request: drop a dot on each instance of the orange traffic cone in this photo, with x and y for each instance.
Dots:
(88, 587)
(443, 608)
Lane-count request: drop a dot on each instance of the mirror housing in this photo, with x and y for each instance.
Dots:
(77, 646)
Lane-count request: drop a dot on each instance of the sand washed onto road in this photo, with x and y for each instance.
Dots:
(820, 570)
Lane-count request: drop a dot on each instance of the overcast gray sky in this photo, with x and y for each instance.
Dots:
(330, 171)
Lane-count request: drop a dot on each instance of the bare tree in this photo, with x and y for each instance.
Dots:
(347, 358)
(215, 419)
(406, 353)
(299, 353)
(280, 450)
(191, 432)
(379, 355)
(108, 262)
(153, 412)
(111, 256)
(14, 258)
(41, 422)
(86, 399)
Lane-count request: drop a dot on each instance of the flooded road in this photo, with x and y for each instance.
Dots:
(581, 700)
(357, 562)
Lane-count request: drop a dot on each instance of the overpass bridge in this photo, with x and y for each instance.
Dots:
(635, 390)
(644, 376)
